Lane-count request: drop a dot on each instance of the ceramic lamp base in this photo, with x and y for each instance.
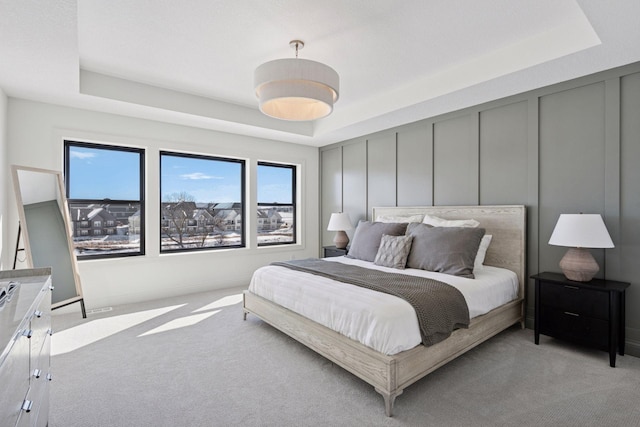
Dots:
(341, 240)
(579, 265)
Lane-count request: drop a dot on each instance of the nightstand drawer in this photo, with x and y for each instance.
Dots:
(332, 251)
(574, 299)
(574, 327)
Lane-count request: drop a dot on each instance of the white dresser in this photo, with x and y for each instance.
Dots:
(25, 347)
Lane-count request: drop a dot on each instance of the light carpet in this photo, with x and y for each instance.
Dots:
(192, 361)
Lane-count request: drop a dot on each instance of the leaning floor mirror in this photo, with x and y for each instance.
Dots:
(45, 231)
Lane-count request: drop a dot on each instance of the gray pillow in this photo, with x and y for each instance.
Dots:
(366, 239)
(393, 251)
(449, 250)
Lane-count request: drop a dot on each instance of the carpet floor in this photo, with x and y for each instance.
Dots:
(192, 361)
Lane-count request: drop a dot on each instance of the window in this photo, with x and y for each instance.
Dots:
(105, 184)
(276, 204)
(202, 202)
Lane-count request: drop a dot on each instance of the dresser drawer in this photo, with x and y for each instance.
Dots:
(574, 327)
(40, 328)
(41, 364)
(14, 380)
(574, 299)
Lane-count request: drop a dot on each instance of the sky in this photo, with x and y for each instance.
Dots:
(98, 174)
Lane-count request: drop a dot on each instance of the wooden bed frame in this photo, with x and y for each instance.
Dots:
(389, 375)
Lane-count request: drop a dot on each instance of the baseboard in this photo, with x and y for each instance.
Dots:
(632, 348)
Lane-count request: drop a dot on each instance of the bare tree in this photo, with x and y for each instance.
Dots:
(177, 211)
(219, 224)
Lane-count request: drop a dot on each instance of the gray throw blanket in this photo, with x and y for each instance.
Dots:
(440, 307)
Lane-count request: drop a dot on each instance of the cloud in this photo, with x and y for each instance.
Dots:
(81, 155)
(198, 176)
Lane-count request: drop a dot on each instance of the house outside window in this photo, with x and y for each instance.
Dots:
(105, 185)
(202, 201)
(276, 185)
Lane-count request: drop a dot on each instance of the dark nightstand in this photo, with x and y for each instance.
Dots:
(331, 251)
(589, 313)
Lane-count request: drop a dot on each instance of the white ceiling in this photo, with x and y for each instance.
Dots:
(192, 62)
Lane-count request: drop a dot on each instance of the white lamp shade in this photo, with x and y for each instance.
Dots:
(296, 89)
(581, 231)
(339, 222)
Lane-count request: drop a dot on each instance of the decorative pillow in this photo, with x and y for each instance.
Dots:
(366, 239)
(449, 250)
(482, 252)
(393, 251)
(399, 218)
(440, 222)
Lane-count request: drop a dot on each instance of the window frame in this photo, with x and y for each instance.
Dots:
(243, 200)
(294, 202)
(141, 202)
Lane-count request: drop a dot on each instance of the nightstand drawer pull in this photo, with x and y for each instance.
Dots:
(572, 314)
(572, 287)
(26, 405)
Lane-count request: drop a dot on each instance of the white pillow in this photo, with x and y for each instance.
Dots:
(439, 222)
(399, 218)
(482, 252)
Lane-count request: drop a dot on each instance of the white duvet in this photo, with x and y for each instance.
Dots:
(383, 322)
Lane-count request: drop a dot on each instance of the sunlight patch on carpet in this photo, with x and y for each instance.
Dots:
(222, 302)
(181, 322)
(95, 330)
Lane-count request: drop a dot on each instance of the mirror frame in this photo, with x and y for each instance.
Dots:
(26, 241)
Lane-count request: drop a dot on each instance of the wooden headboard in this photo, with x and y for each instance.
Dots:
(507, 224)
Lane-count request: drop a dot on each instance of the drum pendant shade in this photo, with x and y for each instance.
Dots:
(296, 89)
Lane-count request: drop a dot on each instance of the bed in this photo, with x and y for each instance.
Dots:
(391, 371)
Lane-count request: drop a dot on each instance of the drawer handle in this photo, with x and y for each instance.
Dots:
(572, 314)
(572, 287)
(51, 287)
(26, 405)
(49, 377)
(27, 333)
(49, 332)
(37, 313)
(36, 373)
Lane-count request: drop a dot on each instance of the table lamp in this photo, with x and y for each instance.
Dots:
(339, 222)
(580, 232)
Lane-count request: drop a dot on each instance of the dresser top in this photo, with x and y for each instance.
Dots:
(599, 284)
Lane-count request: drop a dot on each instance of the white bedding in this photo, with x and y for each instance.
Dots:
(383, 322)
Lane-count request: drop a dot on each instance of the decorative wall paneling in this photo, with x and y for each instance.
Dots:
(503, 155)
(455, 166)
(628, 240)
(567, 148)
(414, 157)
(572, 162)
(381, 170)
(331, 182)
(355, 181)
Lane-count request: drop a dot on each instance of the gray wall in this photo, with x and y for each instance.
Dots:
(568, 148)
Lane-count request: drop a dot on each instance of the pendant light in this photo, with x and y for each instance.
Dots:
(296, 89)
